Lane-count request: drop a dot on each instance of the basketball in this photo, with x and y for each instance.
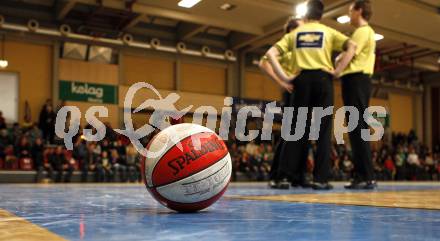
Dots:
(219, 120)
(188, 167)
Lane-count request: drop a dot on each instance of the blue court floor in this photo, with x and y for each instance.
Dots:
(127, 212)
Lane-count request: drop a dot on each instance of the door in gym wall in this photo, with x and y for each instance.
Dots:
(9, 96)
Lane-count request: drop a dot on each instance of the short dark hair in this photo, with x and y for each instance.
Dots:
(365, 6)
(290, 25)
(315, 9)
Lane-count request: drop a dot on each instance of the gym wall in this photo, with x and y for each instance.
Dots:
(33, 64)
(159, 72)
(203, 78)
(401, 112)
(258, 86)
(435, 100)
(199, 82)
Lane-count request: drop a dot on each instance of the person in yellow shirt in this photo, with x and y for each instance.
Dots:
(312, 45)
(356, 91)
(289, 67)
(286, 62)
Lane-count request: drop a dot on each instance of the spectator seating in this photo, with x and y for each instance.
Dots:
(26, 164)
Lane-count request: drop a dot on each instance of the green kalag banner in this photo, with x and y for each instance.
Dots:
(88, 92)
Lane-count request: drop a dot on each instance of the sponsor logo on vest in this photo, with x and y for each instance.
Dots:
(310, 40)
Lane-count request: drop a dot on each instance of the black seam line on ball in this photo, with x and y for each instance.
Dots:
(221, 158)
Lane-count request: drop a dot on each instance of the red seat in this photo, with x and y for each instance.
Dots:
(1, 163)
(75, 164)
(26, 164)
(68, 154)
(72, 161)
(11, 163)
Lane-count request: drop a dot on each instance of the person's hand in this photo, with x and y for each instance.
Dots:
(330, 71)
(336, 74)
(333, 72)
(288, 87)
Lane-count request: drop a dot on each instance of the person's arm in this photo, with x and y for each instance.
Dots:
(345, 58)
(361, 37)
(268, 70)
(339, 58)
(340, 42)
(272, 56)
(285, 45)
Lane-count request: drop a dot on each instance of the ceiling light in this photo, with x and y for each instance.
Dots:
(3, 63)
(188, 3)
(227, 7)
(378, 37)
(301, 10)
(343, 19)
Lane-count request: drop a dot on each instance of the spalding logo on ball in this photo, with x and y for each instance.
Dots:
(190, 179)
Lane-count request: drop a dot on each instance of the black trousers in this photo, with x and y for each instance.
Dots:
(356, 91)
(273, 175)
(288, 100)
(278, 158)
(313, 88)
(276, 161)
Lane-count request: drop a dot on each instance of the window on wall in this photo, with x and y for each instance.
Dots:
(91, 53)
(9, 96)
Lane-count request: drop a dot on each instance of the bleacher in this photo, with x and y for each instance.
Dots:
(23, 171)
(20, 176)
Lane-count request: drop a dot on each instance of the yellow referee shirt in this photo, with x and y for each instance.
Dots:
(364, 60)
(312, 44)
(287, 62)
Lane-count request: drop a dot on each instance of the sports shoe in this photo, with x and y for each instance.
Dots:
(354, 184)
(359, 185)
(321, 186)
(275, 184)
(370, 185)
(303, 184)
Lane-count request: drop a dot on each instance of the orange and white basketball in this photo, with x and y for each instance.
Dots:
(188, 167)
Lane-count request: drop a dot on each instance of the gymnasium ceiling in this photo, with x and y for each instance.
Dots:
(411, 27)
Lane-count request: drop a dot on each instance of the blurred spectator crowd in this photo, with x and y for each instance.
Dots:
(401, 158)
(404, 157)
(36, 147)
